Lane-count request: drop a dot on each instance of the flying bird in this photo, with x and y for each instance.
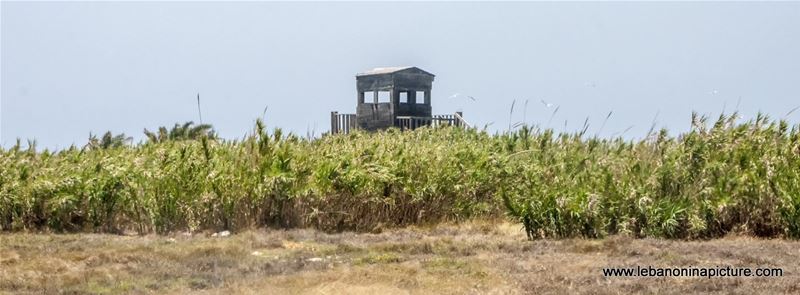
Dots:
(459, 94)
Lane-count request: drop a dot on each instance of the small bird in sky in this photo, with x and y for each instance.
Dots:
(459, 94)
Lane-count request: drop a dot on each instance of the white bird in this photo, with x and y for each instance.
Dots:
(546, 104)
(459, 94)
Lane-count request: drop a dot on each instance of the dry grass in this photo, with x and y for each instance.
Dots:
(471, 258)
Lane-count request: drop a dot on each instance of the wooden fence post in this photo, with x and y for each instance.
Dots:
(334, 122)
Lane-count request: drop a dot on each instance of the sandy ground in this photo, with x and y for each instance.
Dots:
(472, 258)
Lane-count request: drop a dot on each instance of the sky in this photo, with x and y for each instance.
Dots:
(68, 69)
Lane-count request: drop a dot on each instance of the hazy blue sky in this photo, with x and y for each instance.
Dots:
(73, 68)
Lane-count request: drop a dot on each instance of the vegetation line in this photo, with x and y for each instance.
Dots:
(710, 181)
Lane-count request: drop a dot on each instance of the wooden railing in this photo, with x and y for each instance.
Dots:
(411, 122)
(342, 123)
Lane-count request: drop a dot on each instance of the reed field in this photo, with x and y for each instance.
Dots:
(723, 176)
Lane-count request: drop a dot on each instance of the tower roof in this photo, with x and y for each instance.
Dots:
(393, 70)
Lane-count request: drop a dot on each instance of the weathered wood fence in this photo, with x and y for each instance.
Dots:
(344, 123)
(411, 122)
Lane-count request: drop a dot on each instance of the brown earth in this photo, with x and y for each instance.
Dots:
(470, 258)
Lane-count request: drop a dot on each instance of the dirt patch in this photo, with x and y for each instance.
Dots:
(471, 258)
